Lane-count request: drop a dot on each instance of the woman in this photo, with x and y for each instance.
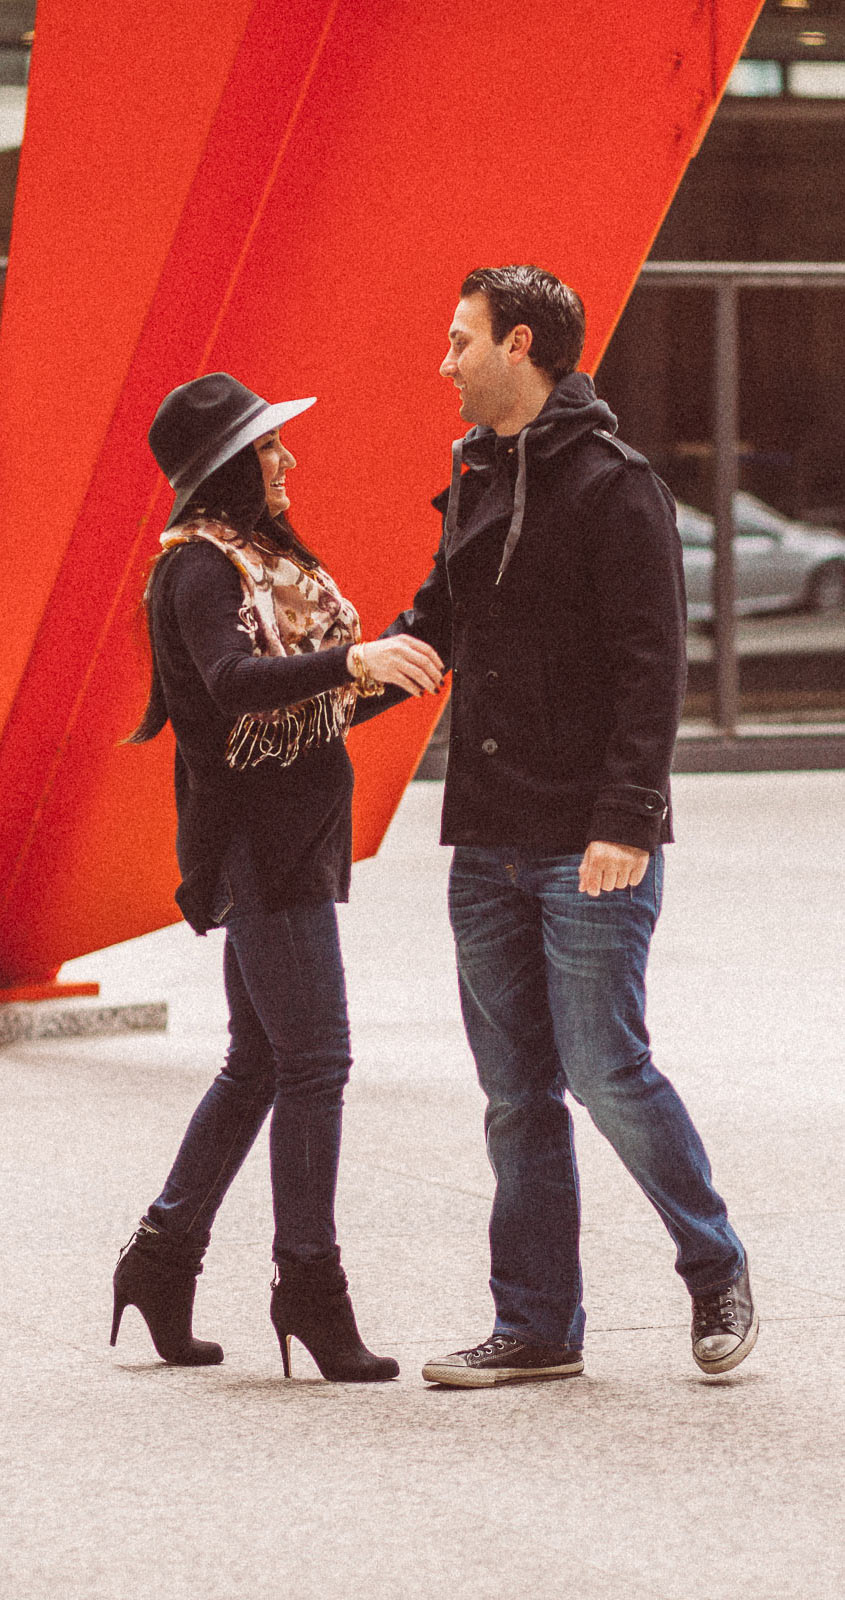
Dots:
(257, 663)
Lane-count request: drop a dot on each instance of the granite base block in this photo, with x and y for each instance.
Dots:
(50, 1019)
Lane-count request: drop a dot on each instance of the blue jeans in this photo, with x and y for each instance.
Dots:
(552, 988)
(289, 1056)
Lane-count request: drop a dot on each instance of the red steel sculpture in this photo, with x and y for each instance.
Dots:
(291, 193)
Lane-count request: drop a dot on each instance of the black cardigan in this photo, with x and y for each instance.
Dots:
(296, 820)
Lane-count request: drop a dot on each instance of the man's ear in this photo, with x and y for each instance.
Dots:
(519, 342)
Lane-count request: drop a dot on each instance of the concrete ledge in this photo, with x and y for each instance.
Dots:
(797, 750)
(756, 747)
(66, 1019)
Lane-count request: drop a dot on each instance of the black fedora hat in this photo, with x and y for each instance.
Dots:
(202, 424)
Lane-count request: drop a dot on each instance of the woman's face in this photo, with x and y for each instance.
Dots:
(275, 462)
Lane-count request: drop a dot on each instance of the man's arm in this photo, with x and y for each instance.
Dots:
(429, 618)
(636, 567)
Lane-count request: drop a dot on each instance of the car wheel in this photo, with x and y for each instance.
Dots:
(827, 588)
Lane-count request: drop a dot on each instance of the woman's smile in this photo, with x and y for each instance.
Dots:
(273, 455)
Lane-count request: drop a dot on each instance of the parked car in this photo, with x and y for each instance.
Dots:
(779, 565)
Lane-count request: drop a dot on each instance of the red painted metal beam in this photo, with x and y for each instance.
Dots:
(293, 196)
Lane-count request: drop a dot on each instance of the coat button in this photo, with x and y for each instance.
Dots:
(495, 609)
(489, 747)
(492, 678)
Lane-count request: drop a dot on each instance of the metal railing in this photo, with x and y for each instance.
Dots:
(727, 279)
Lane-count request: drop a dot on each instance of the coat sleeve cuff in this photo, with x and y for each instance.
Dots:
(628, 814)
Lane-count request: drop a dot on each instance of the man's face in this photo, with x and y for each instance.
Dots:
(481, 371)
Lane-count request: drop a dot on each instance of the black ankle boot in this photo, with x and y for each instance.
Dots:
(160, 1279)
(310, 1302)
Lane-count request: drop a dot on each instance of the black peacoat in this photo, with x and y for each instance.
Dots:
(557, 598)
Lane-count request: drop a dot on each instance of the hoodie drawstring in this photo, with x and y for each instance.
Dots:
(572, 410)
(454, 490)
(519, 494)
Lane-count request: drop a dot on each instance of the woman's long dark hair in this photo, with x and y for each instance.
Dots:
(234, 495)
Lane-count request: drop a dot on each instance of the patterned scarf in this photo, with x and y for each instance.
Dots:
(287, 609)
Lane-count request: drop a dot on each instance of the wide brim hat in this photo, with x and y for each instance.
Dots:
(203, 424)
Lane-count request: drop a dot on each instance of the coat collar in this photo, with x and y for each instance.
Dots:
(572, 410)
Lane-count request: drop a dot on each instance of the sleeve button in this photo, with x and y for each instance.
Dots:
(489, 747)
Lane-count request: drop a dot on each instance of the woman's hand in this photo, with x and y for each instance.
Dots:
(410, 663)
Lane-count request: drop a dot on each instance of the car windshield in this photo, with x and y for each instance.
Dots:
(694, 527)
(752, 516)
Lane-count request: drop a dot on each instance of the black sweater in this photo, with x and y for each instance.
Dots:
(296, 820)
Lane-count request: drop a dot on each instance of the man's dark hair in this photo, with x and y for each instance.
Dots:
(552, 311)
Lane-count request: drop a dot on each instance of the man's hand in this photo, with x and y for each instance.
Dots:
(610, 866)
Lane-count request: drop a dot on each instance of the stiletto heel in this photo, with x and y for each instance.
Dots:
(310, 1302)
(160, 1280)
(119, 1308)
(284, 1341)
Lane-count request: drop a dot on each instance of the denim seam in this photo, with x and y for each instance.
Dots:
(222, 1166)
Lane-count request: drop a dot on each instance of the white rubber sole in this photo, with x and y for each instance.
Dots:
(727, 1363)
(481, 1378)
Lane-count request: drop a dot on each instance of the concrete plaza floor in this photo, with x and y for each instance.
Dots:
(124, 1479)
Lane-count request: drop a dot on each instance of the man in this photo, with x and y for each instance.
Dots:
(557, 597)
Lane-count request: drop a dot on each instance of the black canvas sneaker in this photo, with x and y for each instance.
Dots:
(503, 1359)
(724, 1326)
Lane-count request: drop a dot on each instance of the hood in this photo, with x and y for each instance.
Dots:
(572, 410)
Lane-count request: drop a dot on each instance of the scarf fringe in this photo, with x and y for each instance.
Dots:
(281, 735)
(284, 736)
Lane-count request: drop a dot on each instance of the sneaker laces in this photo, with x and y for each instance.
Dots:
(492, 1347)
(716, 1311)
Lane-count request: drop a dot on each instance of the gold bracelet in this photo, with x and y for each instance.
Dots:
(364, 680)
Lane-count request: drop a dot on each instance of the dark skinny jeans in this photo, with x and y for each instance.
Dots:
(288, 1055)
